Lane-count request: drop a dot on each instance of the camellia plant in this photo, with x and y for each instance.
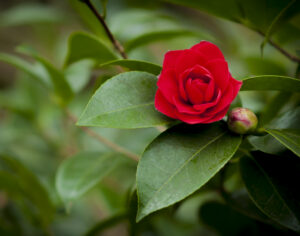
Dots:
(217, 153)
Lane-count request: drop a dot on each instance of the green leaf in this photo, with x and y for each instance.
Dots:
(225, 220)
(257, 65)
(273, 193)
(275, 23)
(267, 144)
(30, 187)
(36, 71)
(157, 36)
(29, 14)
(255, 14)
(136, 65)
(124, 101)
(78, 74)
(84, 46)
(271, 82)
(80, 173)
(274, 107)
(60, 85)
(9, 183)
(288, 137)
(240, 201)
(214, 7)
(89, 18)
(42, 71)
(287, 120)
(179, 162)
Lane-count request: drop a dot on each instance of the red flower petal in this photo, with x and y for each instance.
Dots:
(210, 91)
(195, 91)
(195, 85)
(185, 108)
(220, 72)
(218, 116)
(194, 72)
(192, 119)
(227, 97)
(171, 58)
(162, 105)
(209, 50)
(204, 106)
(167, 84)
(187, 60)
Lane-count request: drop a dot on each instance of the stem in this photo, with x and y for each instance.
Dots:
(114, 41)
(103, 140)
(280, 49)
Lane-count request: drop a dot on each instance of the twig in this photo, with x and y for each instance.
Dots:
(114, 41)
(280, 49)
(103, 140)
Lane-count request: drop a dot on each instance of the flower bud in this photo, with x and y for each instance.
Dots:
(242, 121)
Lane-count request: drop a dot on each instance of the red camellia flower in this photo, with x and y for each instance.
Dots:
(195, 85)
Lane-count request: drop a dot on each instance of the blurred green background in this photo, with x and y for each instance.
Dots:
(38, 135)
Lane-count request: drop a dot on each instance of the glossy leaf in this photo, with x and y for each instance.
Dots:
(271, 82)
(44, 72)
(124, 101)
(84, 46)
(156, 36)
(274, 107)
(267, 187)
(34, 70)
(78, 74)
(214, 7)
(225, 220)
(179, 162)
(88, 18)
(287, 120)
(290, 138)
(267, 144)
(256, 14)
(135, 65)
(275, 22)
(80, 173)
(240, 201)
(29, 186)
(60, 85)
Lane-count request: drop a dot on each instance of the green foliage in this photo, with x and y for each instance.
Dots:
(288, 137)
(84, 46)
(257, 14)
(34, 70)
(135, 65)
(274, 107)
(261, 172)
(20, 183)
(124, 101)
(80, 173)
(225, 220)
(271, 82)
(60, 85)
(167, 174)
(156, 36)
(28, 14)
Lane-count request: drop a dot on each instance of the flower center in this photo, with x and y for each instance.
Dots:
(200, 89)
